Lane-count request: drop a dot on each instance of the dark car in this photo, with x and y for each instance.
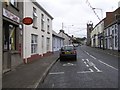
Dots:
(68, 52)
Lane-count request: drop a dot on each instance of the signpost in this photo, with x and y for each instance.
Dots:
(27, 20)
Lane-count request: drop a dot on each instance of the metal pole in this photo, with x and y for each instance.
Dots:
(101, 12)
(1, 45)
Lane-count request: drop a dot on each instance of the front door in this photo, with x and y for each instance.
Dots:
(8, 44)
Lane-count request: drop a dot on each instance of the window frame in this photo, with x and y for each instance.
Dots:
(35, 18)
(34, 43)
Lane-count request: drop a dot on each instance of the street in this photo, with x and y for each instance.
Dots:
(94, 68)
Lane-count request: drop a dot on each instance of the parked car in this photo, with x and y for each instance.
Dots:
(68, 52)
(75, 44)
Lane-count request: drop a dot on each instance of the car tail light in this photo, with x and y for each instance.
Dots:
(74, 52)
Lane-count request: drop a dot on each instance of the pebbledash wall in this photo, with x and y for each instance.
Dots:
(37, 37)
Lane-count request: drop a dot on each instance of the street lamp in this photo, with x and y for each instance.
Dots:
(100, 10)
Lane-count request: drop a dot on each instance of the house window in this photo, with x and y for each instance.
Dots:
(112, 32)
(108, 31)
(42, 41)
(115, 29)
(34, 44)
(42, 22)
(116, 41)
(48, 26)
(14, 3)
(48, 29)
(48, 44)
(34, 18)
(48, 21)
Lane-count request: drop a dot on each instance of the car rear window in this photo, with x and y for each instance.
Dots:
(68, 48)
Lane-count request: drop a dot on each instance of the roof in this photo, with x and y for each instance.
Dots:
(99, 23)
(40, 7)
(57, 35)
(65, 33)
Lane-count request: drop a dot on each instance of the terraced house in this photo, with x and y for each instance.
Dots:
(97, 35)
(111, 30)
(106, 33)
(37, 38)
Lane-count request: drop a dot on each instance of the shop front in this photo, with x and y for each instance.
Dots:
(11, 41)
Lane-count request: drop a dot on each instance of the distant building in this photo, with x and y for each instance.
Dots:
(67, 39)
(37, 38)
(97, 35)
(89, 29)
(57, 41)
(112, 30)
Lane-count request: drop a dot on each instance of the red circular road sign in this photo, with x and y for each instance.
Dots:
(27, 20)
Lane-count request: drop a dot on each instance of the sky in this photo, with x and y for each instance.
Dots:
(75, 14)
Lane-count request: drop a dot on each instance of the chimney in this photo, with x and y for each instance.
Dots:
(62, 31)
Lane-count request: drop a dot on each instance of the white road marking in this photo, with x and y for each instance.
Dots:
(87, 60)
(108, 65)
(91, 70)
(92, 56)
(82, 59)
(57, 73)
(86, 71)
(87, 65)
(91, 64)
(87, 52)
(69, 64)
(97, 69)
(53, 85)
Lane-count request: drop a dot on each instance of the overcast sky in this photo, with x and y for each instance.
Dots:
(75, 14)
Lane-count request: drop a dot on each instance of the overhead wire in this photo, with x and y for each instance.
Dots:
(92, 9)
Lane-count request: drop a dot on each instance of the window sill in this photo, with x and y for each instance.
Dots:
(35, 27)
(48, 32)
(42, 30)
(14, 52)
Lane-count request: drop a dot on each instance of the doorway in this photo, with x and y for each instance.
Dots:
(9, 43)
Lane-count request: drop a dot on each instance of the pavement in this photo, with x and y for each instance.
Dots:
(29, 75)
(107, 51)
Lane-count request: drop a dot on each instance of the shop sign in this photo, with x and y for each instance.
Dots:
(11, 16)
(27, 20)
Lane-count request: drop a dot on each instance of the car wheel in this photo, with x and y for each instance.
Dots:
(75, 58)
